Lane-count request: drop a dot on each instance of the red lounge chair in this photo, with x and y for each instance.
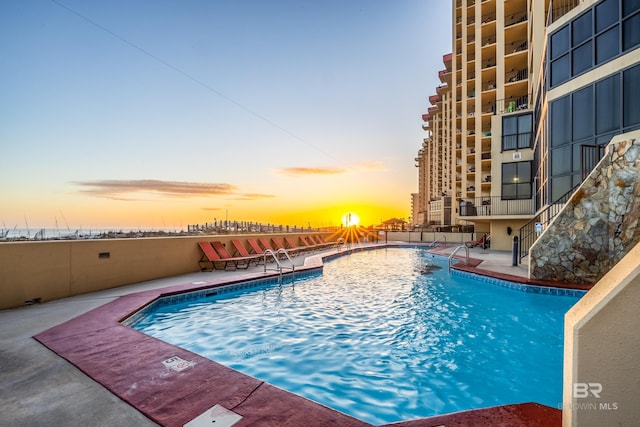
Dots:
(244, 253)
(484, 241)
(238, 261)
(255, 247)
(293, 247)
(266, 245)
(319, 242)
(308, 244)
(209, 255)
(279, 245)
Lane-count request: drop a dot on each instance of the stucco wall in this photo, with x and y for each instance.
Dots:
(602, 351)
(51, 270)
(599, 225)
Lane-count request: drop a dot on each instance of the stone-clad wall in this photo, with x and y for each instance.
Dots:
(599, 225)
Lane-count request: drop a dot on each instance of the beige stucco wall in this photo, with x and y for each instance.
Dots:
(602, 347)
(56, 269)
(500, 239)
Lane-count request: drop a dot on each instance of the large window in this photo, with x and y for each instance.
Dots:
(517, 131)
(599, 34)
(516, 180)
(585, 120)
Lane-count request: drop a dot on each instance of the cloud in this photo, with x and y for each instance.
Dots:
(253, 196)
(311, 171)
(123, 189)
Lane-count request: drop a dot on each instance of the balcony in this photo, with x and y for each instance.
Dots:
(434, 99)
(494, 206)
(515, 19)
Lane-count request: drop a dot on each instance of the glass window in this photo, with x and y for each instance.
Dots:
(582, 58)
(516, 131)
(607, 45)
(561, 160)
(560, 70)
(525, 123)
(608, 104)
(560, 121)
(581, 29)
(509, 125)
(606, 14)
(582, 114)
(560, 42)
(631, 32)
(631, 94)
(629, 7)
(559, 187)
(516, 180)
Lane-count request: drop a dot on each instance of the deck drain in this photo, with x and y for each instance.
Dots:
(218, 416)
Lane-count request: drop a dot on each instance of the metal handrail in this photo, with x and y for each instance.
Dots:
(443, 237)
(456, 250)
(277, 260)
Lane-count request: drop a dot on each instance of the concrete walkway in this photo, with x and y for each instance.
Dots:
(38, 388)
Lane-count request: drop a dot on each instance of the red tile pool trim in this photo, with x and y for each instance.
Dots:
(129, 364)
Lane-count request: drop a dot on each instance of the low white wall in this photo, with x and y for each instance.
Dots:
(602, 351)
(428, 237)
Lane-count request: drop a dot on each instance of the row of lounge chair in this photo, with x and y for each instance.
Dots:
(216, 256)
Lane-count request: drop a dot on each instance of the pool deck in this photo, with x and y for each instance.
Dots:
(85, 368)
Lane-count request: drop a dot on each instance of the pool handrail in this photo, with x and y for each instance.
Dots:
(466, 249)
(443, 238)
(276, 258)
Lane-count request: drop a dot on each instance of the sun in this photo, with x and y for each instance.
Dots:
(350, 219)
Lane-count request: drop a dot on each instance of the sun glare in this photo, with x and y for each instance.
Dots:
(350, 219)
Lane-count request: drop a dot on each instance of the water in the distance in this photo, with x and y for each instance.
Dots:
(377, 338)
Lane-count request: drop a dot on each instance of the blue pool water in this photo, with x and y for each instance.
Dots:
(377, 338)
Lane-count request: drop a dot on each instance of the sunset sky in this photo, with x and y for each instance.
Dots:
(158, 114)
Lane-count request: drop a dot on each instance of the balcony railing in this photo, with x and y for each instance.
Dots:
(511, 105)
(514, 19)
(494, 206)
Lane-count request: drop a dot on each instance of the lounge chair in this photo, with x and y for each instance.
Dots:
(279, 245)
(238, 261)
(244, 253)
(309, 244)
(296, 248)
(320, 242)
(255, 247)
(209, 255)
(266, 245)
(484, 241)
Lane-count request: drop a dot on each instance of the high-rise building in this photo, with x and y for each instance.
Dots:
(531, 93)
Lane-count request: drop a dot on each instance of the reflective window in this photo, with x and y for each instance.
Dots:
(560, 70)
(629, 7)
(631, 94)
(560, 42)
(581, 117)
(607, 45)
(560, 121)
(608, 104)
(631, 32)
(516, 180)
(606, 14)
(581, 29)
(561, 160)
(517, 131)
(582, 59)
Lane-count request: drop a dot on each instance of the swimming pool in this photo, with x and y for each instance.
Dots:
(380, 337)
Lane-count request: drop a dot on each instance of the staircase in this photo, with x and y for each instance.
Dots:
(600, 222)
